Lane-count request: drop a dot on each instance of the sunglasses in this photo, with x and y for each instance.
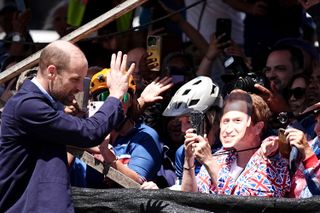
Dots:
(297, 92)
(104, 95)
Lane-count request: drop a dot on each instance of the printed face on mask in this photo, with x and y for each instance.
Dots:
(234, 124)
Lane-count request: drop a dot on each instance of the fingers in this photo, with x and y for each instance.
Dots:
(118, 60)
(191, 130)
(119, 63)
(131, 68)
(156, 80)
(190, 137)
(297, 138)
(123, 63)
(265, 92)
(166, 87)
(113, 61)
(149, 185)
(164, 83)
(293, 131)
(166, 80)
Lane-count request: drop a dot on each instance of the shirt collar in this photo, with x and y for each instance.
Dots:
(56, 104)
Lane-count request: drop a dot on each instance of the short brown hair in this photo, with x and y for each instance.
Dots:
(257, 108)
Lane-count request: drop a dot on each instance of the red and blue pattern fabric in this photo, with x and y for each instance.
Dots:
(306, 180)
(260, 177)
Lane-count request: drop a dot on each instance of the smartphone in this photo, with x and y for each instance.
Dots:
(154, 48)
(223, 25)
(94, 106)
(284, 146)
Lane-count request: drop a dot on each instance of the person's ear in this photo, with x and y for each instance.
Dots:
(51, 71)
(259, 127)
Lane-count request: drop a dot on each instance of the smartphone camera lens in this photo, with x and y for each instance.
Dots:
(152, 41)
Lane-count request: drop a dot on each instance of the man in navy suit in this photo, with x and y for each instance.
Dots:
(35, 130)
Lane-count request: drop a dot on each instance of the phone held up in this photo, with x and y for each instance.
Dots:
(284, 146)
(223, 26)
(154, 48)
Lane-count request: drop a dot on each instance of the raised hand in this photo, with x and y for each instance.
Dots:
(216, 46)
(118, 78)
(153, 90)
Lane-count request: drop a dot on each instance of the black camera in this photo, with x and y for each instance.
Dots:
(242, 77)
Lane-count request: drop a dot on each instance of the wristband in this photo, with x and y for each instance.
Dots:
(186, 168)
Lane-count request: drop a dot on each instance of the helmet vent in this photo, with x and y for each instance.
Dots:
(213, 88)
(101, 78)
(178, 105)
(186, 92)
(197, 82)
(193, 102)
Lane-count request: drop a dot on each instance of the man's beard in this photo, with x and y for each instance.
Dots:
(64, 99)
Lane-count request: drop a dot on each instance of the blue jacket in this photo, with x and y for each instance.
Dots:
(33, 160)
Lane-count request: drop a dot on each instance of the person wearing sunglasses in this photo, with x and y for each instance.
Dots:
(296, 94)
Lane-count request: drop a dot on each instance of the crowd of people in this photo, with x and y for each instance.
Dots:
(230, 117)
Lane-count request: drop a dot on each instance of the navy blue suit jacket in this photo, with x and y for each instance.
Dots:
(33, 161)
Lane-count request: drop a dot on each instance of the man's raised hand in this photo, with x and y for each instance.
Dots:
(118, 78)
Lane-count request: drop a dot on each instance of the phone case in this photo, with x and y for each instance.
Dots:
(154, 47)
(223, 25)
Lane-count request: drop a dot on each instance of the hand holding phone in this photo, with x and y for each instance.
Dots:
(223, 26)
(284, 146)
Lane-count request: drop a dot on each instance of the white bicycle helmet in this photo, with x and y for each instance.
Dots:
(198, 94)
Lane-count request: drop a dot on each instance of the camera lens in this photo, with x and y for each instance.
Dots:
(152, 41)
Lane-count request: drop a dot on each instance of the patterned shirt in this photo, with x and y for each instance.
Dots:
(260, 177)
(305, 182)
